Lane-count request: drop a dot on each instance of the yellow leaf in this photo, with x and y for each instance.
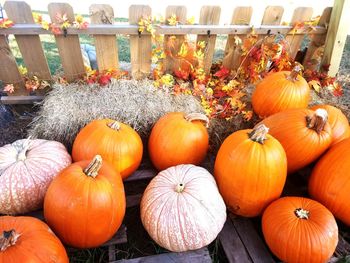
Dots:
(201, 44)
(183, 50)
(172, 21)
(190, 21)
(315, 84)
(23, 70)
(238, 40)
(79, 19)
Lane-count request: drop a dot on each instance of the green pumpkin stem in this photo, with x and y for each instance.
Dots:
(197, 117)
(179, 188)
(22, 154)
(293, 76)
(302, 213)
(258, 134)
(115, 125)
(317, 121)
(93, 168)
(8, 238)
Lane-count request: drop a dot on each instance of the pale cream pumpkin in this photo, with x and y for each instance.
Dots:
(181, 208)
(27, 167)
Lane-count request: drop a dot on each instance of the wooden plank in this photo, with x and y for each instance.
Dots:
(195, 256)
(141, 45)
(181, 13)
(141, 175)
(133, 200)
(312, 59)
(232, 57)
(68, 46)
(300, 14)
(253, 243)
(106, 46)
(231, 243)
(209, 15)
(272, 16)
(29, 45)
(336, 37)
(119, 238)
(20, 99)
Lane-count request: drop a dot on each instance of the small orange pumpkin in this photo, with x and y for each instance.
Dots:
(177, 138)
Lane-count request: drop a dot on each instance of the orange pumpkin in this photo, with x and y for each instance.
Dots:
(330, 180)
(280, 91)
(116, 142)
(27, 239)
(177, 138)
(250, 169)
(304, 135)
(338, 121)
(299, 230)
(85, 203)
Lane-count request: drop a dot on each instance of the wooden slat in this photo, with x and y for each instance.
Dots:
(317, 42)
(106, 46)
(181, 14)
(300, 14)
(20, 99)
(336, 37)
(69, 46)
(141, 174)
(195, 256)
(272, 16)
(29, 45)
(133, 200)
(210, 15)
(140, 46)
(232, 57)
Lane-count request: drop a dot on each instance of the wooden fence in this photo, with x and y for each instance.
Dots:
(104, 32)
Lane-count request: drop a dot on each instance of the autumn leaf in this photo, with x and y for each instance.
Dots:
(172, 21)
(9, 88)
(237, 40)
(222, 73)
(183, 52)
(190, 21)
(316, 85)
(6, 23)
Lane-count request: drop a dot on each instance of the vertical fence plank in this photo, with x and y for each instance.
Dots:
(272, 16)
(336, 35)
(9, 73)
(106, 46)
(69, 46)
(210, 15)
(181, 14)
(29, 45)
(140, 46)
(232, 57)
(300, 14)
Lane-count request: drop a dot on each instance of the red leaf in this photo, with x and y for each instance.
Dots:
(223, 73)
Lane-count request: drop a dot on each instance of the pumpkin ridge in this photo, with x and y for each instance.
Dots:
(161, 215)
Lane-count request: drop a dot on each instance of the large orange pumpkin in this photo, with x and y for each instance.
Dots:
(177, 138)
(250, 169)
(280, 91)
(330, 180)
(304, 135)
(338, 121)
(85, 204)
(116, 142)
(27, 239)
(300, 230)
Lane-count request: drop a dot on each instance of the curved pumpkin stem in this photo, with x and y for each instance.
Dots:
(258, 134)
(8, 238)
(302, 213)
(293, 76)
(179, 188)
(22, 155)
(317, 121)
(197, 117)
(93, 168)
(114, 125)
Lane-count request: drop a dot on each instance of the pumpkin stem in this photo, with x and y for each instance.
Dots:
(179, 188)
(301, 213)
(293, 76)
(197, 117)
(8, 238)
(22, 155)
(114, 125)
(258, 134)
(93, 168)
(317, 121)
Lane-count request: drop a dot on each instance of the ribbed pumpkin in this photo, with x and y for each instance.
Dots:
(304, 135)
(27, 167)
(177, 138)
(181, 208)
(280, 91)
(300, 230)
(250, 169)
(27, 239)
(85, 204)
(116, 142)
(338, 121)
(330, 180)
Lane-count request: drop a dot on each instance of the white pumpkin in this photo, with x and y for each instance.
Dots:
(181, 208)
(27, 167)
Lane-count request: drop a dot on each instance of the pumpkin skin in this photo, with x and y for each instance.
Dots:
(250, 173)
(85, 209)
(280, 91)
(35, 243)
(177, 138)
(27, 167)
(338, 121)
(302, 145)
(329, 182)
(297, 237)
(117, 143)
(181, 208)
